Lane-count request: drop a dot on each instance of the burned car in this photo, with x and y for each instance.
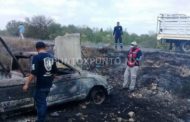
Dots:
(70, 84)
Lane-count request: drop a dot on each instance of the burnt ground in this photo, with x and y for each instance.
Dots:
(162, 93)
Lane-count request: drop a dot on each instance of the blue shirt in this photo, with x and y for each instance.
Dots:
(118, 31)
(43, 67)
(21, 28)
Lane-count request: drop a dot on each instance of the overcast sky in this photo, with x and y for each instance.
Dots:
(138, 16)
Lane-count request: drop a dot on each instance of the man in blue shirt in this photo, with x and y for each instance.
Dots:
(117, 33)
(43, 69)
(21, 30)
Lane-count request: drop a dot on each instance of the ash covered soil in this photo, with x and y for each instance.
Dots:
(162, 94)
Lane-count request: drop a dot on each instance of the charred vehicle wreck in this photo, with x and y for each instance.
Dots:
(70, 84)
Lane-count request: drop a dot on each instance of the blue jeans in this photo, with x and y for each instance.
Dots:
(40, 96)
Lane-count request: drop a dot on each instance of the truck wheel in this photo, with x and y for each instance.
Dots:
(185, 47)
(98, 96)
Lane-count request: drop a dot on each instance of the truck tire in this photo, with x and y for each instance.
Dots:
(185, 47)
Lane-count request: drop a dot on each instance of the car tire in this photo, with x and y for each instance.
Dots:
(98, 96)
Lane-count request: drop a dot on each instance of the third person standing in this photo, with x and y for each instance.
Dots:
(117, 33)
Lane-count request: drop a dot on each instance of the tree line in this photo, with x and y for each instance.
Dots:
(41, 27)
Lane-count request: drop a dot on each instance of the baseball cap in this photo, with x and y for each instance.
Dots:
(40, 45)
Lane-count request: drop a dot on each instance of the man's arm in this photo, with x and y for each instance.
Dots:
(34, 72)
(126, 59)
(121, 30)
(29, 80)
(114, 31)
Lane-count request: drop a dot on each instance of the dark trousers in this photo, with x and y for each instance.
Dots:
(118, 39)
(40, 96)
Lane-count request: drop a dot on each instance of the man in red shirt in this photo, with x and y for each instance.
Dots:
(133, 63)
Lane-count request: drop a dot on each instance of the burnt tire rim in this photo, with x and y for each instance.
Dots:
(98, 96)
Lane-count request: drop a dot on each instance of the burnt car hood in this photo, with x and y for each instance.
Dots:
(100, 80)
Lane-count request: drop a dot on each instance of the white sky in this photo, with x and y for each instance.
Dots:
(138, 16)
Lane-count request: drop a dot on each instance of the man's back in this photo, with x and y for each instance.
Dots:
(43, 67)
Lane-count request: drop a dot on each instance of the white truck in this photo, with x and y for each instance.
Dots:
(175, 30)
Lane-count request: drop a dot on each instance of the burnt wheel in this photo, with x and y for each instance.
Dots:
(185, 47)
(98, 95)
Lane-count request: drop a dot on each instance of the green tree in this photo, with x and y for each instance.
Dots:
(86, 34)
(38, 27)
(54, 30)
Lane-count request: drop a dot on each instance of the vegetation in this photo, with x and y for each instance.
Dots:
(41, 27)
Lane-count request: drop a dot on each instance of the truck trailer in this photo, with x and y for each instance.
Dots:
(175, 30)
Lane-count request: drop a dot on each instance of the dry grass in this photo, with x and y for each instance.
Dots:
(17, 44)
